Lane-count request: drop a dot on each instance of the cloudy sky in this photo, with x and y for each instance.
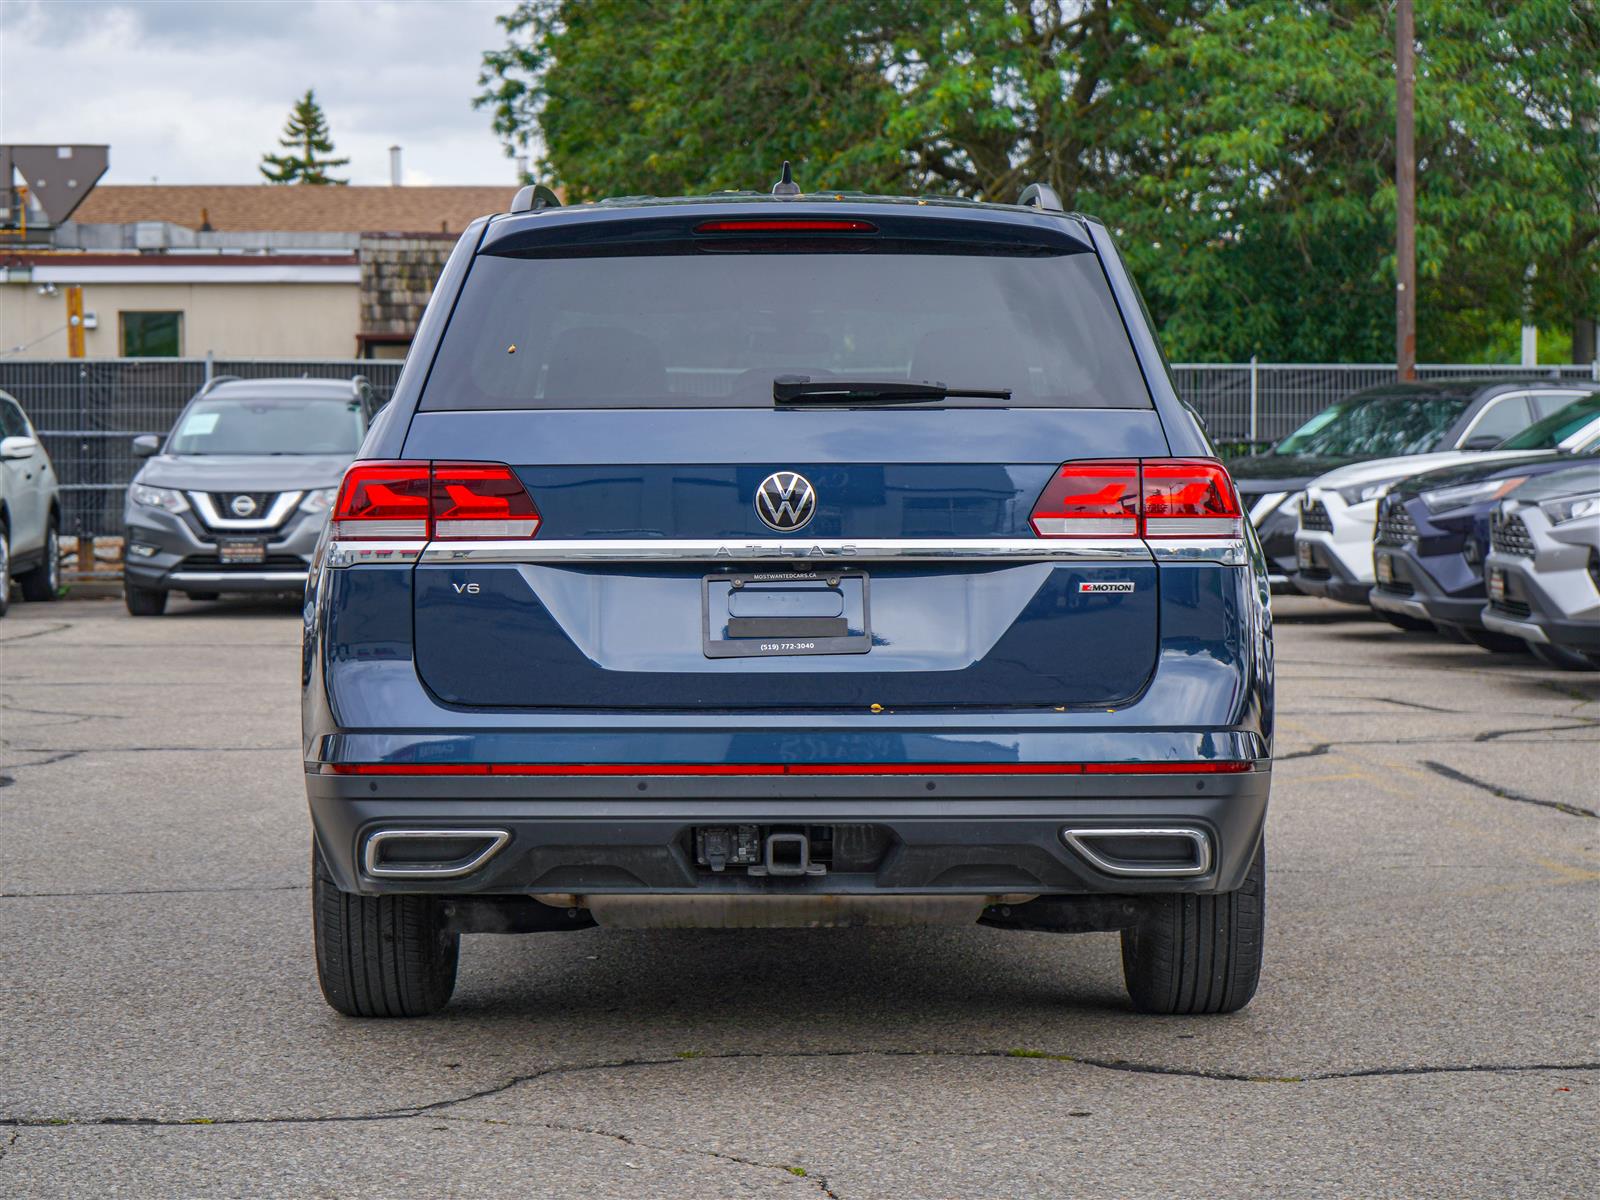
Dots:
(195, 91)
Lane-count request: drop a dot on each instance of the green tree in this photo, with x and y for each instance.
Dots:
(306, 139)
(1242, 150)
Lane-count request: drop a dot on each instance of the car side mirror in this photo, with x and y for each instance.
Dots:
(18, 447)
(146, 444)
(1482, 441)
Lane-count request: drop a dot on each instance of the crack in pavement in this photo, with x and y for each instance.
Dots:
(10, 706)
(1572, 810)
(48, 629)
(1316, 751)
(193, 891)
(436, 1107)
(820, 1181)
(1454, 712)
(63, 756)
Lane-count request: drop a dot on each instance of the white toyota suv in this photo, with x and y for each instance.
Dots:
(1339, 511)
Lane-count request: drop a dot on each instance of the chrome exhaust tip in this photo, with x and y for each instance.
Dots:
(430, 853)
(1151, 852)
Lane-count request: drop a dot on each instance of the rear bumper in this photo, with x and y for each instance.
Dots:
(938, 835)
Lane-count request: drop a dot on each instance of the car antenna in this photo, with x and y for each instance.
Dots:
(786, 186)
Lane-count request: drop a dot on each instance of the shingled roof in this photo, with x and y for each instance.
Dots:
(295, 208)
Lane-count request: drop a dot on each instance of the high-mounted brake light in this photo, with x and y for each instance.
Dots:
(481, 500)
(413, 501)
(1154, 498)
(792, 226)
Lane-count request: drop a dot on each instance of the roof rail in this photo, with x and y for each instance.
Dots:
(216, 379)
(1041, 196)
(534, 197)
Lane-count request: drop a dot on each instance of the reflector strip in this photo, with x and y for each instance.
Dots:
(1207, 767)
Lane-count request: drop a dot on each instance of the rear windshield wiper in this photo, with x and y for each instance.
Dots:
(802, 389)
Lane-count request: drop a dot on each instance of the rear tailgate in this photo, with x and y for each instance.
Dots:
(920, 541)
(623, 363)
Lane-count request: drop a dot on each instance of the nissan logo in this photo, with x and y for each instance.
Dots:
(243, 506)
(785, 501)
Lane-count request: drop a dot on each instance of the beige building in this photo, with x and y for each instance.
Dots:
(236, 272)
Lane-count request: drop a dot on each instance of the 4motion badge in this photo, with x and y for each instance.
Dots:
(1108, 586)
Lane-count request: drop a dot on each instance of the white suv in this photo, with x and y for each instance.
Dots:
(1339, 510)
(30, 510)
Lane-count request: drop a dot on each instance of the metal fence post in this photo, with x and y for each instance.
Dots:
(1255, 400)
(211, 366)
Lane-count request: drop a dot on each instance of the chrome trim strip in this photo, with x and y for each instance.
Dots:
(353, 553)
(800, 549)
(297, 578)
(1202, 845)
(1230, 552)
(497, 839)
(281, 508)
(1526, 630)
(1408, 606)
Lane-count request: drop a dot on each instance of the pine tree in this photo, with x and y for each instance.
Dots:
(305, 136)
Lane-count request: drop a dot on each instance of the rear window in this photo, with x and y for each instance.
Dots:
(714, 329)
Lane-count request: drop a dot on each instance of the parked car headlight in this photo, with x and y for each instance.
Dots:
(1463, 494)
(1361, 492)
(1571, 508)
(167, 499)
(319, 500)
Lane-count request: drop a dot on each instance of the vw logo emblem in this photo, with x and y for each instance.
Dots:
(785, 501)
(243, 506)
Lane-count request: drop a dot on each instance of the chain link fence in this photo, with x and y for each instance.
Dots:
(88, 411)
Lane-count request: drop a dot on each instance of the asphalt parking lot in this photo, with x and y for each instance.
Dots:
(1426, 1022)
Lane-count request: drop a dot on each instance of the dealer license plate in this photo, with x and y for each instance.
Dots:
(1385, 568)
(1303, 556)
(1497, 584)
(242, 550)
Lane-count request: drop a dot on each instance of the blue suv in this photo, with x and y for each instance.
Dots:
(762, 560)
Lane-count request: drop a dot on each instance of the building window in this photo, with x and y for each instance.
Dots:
(152, 334)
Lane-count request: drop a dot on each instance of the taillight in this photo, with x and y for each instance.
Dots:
(1090, 499)
(1155, 498)
(1189, 497)
(481, 500)
(414, 501)
(383, 500)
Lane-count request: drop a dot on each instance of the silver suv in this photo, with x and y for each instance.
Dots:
(30, 510)
(1543, 569)
(236, 498)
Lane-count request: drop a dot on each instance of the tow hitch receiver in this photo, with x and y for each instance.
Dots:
(762, 852)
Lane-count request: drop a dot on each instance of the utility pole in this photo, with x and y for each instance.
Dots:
(1405, 192)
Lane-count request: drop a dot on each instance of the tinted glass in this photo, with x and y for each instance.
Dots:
(1556, 428)
(1500, 419)
(701, 330)
(1377, 428)
(11, 422)
(269, 426)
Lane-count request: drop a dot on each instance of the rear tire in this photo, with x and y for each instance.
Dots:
(1199, 954)
(1563, 659)
(1401, 621)
(1495, 643)
(380, 956)
(44, 581)
(144, 602)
